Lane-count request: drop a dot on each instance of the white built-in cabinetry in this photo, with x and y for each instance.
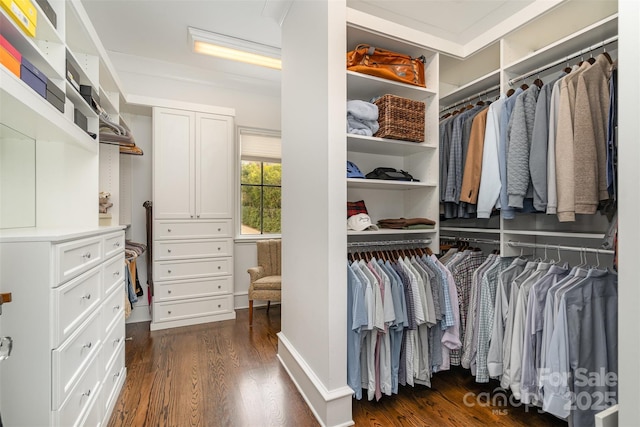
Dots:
(66, 319)
(65, 273)
(395, 199)
(193, 222)
(570, 28)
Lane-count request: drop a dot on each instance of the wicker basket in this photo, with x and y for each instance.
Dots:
(400, 118)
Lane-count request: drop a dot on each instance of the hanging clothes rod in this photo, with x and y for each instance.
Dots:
(565, 59)
(478, 95)
(390, 243)
(516, 244)
(471, 240)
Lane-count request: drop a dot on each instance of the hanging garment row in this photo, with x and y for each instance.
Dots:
(548, 332)
(549, 147)
(403, 320)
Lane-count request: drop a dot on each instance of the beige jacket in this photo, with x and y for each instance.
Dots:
(473, 164)
(590, 136)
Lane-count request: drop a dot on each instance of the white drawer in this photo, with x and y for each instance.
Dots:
(93, 417)
(180, 249)
(114, 378)
(81, 396)
(73, 302)
(113, 243)
(192, 269)
(192, 229)
(113, 272)
(113, 340)
(70, 359)
(187, 309)
(72, 258)
(113, 307)
(193, 288)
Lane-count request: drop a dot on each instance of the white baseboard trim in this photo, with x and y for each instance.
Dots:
(332, 408)
(139, 313)
(156, 326)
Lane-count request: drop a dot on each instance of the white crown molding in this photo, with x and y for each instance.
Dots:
(277, 10)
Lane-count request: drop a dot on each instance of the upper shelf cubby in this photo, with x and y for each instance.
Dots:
(573, 25)
(357, 35)
(464, 77)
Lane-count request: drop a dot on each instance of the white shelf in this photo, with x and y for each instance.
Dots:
(364, 87)
(472, 88)
(381, 184)
(384, 146)
(26, 111)
(561, 234)
(28, 47)
(470, 230)
(388, 232)
(573, 43)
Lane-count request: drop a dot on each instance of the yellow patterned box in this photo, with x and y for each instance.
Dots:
(24, 13)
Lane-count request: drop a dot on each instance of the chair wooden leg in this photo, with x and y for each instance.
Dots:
(250, 312)
(268, 306)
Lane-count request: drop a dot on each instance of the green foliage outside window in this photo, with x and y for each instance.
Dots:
(261, 197)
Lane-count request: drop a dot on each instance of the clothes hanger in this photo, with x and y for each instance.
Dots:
(538, 82)
(567, 68)
(591, 59)
(606, 54)
(510, 92)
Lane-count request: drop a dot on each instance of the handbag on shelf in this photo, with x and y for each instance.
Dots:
(391, 174)
(387, 64)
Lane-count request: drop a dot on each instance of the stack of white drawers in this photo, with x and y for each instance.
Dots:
(67, 324)
(193, 272)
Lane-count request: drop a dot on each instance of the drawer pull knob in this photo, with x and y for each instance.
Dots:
(169, 250)
(88, 345)
(219, 267)
(87, 255)
(219, 287)
(116, 341)
(116, 273)
(169, 271)
(116, 244)
(169, 312)
(219, 248)
(168, 230)
(116, 375)
(219, 305)
(87, 393)
(169, 291)
(219, 229)
(87, 297)
(116, 307)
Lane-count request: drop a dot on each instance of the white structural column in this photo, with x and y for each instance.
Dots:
(628, 207)
(312, 343)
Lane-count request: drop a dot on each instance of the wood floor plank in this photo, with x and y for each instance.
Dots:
(227, 374)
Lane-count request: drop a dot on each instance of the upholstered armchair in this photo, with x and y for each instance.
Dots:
(265, 278)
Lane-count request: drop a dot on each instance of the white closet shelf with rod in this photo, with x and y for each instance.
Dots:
(412, 242)
(564, 59)
(516, 244)
(471, 240)
(471, 98)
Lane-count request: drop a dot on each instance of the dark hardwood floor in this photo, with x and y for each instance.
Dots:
(227, 374)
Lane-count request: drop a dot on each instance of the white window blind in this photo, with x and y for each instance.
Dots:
(260, 147)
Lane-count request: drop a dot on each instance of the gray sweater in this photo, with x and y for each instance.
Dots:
(520, 133)
(539, 146)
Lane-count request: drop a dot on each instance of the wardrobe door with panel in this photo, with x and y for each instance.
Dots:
(173, 157)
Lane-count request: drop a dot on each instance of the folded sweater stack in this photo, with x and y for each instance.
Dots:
(407, 223)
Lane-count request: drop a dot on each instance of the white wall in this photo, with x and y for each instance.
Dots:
(256, 105)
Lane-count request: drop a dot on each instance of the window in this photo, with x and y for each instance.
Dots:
(260, 181)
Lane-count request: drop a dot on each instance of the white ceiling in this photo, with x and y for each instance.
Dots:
(157, 29)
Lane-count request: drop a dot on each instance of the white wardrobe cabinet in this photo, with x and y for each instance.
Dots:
(193, 164)
(67, 324)
(193, 224)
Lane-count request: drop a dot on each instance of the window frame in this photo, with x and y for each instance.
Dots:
(246, 130)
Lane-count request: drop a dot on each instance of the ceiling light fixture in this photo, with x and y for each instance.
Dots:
(234, 49)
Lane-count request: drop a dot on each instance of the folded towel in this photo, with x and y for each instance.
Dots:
(362, 110)
(360, 127)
